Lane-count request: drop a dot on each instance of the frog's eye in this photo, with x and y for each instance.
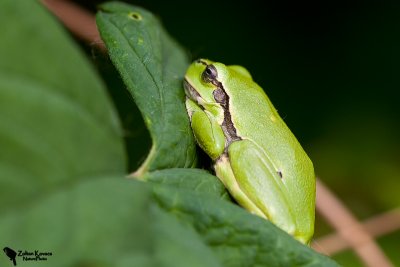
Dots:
(209, 74)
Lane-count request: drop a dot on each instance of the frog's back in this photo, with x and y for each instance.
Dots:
(256, 119)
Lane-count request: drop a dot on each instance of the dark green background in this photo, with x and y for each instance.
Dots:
(331, 70)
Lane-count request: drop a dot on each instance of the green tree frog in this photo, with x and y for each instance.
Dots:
(255, 155)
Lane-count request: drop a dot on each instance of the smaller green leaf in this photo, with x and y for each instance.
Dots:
(152, 66)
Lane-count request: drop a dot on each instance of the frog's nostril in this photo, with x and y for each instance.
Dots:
(201, 62)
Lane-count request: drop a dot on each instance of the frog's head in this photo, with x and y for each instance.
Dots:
(203, 84)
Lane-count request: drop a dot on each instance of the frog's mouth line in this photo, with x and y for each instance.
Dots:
(190, 91)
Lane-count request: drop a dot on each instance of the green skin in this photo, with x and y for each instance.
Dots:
(255, 155)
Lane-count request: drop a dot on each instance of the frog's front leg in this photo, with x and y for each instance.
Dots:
(208, 132)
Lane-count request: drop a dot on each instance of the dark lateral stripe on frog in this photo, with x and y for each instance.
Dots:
(227, 125)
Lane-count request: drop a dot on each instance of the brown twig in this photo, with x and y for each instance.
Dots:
(376, 226)
(347, 226)
(79, 21)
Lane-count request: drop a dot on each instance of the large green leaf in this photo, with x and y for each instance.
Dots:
(85, 222)
(195, 180)
(152, 66)
(179, 245)
(237, 237)
(107, 221)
